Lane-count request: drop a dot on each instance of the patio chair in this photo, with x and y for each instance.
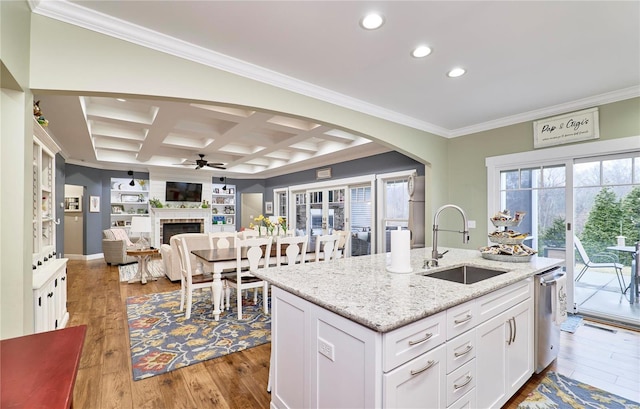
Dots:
(607, 260)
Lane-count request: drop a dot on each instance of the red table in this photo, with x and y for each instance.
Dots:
(39, 370)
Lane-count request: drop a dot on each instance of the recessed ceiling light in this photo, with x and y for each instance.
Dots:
(421, 51)
(456, 72)
(121, 99)
(372, 21)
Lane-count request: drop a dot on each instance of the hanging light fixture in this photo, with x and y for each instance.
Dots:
(132, 183)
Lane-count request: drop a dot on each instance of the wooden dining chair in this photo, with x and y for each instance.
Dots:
(190, 282)
(247, 234)
(251, 255)
(295, 249)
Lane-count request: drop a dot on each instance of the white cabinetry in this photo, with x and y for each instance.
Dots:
(449, 360)
(223, 208)
(50, 296)
(504, 353)
(49, 280)
(128, 201)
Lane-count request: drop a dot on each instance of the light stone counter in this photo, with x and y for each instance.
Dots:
(360, 288)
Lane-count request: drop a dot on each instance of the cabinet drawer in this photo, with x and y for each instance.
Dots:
(461, 318)
(408, 342)
(468, 401)
(420, 383)
(461, 381)
(461, 350)
(492, 304)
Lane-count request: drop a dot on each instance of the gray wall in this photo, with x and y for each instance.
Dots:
(98, 182)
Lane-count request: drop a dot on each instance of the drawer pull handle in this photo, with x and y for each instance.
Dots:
(465, 352)
(426, 337)
(465, 383)
(465, 319)
(427, 366)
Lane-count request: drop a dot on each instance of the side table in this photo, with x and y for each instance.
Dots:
(143, 257)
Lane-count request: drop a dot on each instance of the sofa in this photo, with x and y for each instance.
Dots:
(171, 257)
(115, 243)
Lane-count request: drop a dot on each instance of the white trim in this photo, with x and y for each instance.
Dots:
(333, 182)
(571, 152)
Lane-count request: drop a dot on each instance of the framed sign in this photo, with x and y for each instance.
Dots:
(573, 127)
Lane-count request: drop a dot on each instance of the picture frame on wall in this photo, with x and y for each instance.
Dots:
(94, 204)
(268, 207)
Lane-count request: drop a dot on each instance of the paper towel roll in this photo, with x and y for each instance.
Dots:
(400, 252)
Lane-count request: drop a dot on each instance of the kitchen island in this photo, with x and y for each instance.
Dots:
(346, 333)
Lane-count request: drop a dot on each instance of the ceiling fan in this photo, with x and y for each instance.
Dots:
(201, 163)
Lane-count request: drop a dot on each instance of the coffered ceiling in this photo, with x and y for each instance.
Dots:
(523, 61)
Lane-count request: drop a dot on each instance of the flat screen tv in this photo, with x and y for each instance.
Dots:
(183, 192)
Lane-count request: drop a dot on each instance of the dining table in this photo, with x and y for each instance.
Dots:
(220, 259)
(634, 294)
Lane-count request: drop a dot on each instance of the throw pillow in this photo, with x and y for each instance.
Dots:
(121, 234)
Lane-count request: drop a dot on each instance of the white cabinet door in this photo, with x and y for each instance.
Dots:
(520, 351)
(491, 356)
(505, 354)
(420, 383)
(44, 307)
(289, 357)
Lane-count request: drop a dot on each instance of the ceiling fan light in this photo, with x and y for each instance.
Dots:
(372, 21)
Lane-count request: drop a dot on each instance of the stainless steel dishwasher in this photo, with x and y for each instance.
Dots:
(547, 332)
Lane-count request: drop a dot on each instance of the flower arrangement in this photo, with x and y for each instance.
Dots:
(155, 203)
(142, 183)
(262, 222)
(282, 222)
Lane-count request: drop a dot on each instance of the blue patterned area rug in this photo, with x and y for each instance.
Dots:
(558, 391)
(162, 340)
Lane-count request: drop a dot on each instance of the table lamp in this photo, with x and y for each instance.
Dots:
(141, 225)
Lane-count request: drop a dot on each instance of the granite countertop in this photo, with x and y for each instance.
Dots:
(360, 288)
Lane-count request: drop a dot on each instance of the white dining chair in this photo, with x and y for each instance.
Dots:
(295, 249)
(247, 234)
(326, 247)
(190, 282)
(250, 257)
(341, 244)
(223, 240)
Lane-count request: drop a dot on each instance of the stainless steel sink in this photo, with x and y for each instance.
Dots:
(465, 274)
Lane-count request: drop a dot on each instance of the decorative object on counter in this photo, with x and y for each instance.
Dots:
(400, 252)
(162, 340)
(510, 246)
(558, 391)
(205, 204)
(156, 203)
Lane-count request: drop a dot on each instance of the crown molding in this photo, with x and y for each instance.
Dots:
(589, 102)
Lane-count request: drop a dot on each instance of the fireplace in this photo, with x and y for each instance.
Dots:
(171, 227)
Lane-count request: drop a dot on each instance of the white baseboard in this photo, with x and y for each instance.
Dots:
(84, 257)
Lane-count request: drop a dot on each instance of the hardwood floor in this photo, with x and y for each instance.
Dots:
(607, 360)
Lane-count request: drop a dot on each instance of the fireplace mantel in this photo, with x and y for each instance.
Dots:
(179, 214)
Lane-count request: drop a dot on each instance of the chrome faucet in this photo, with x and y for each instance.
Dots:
(435, 255)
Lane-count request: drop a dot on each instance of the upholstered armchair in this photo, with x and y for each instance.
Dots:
(114, 247)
